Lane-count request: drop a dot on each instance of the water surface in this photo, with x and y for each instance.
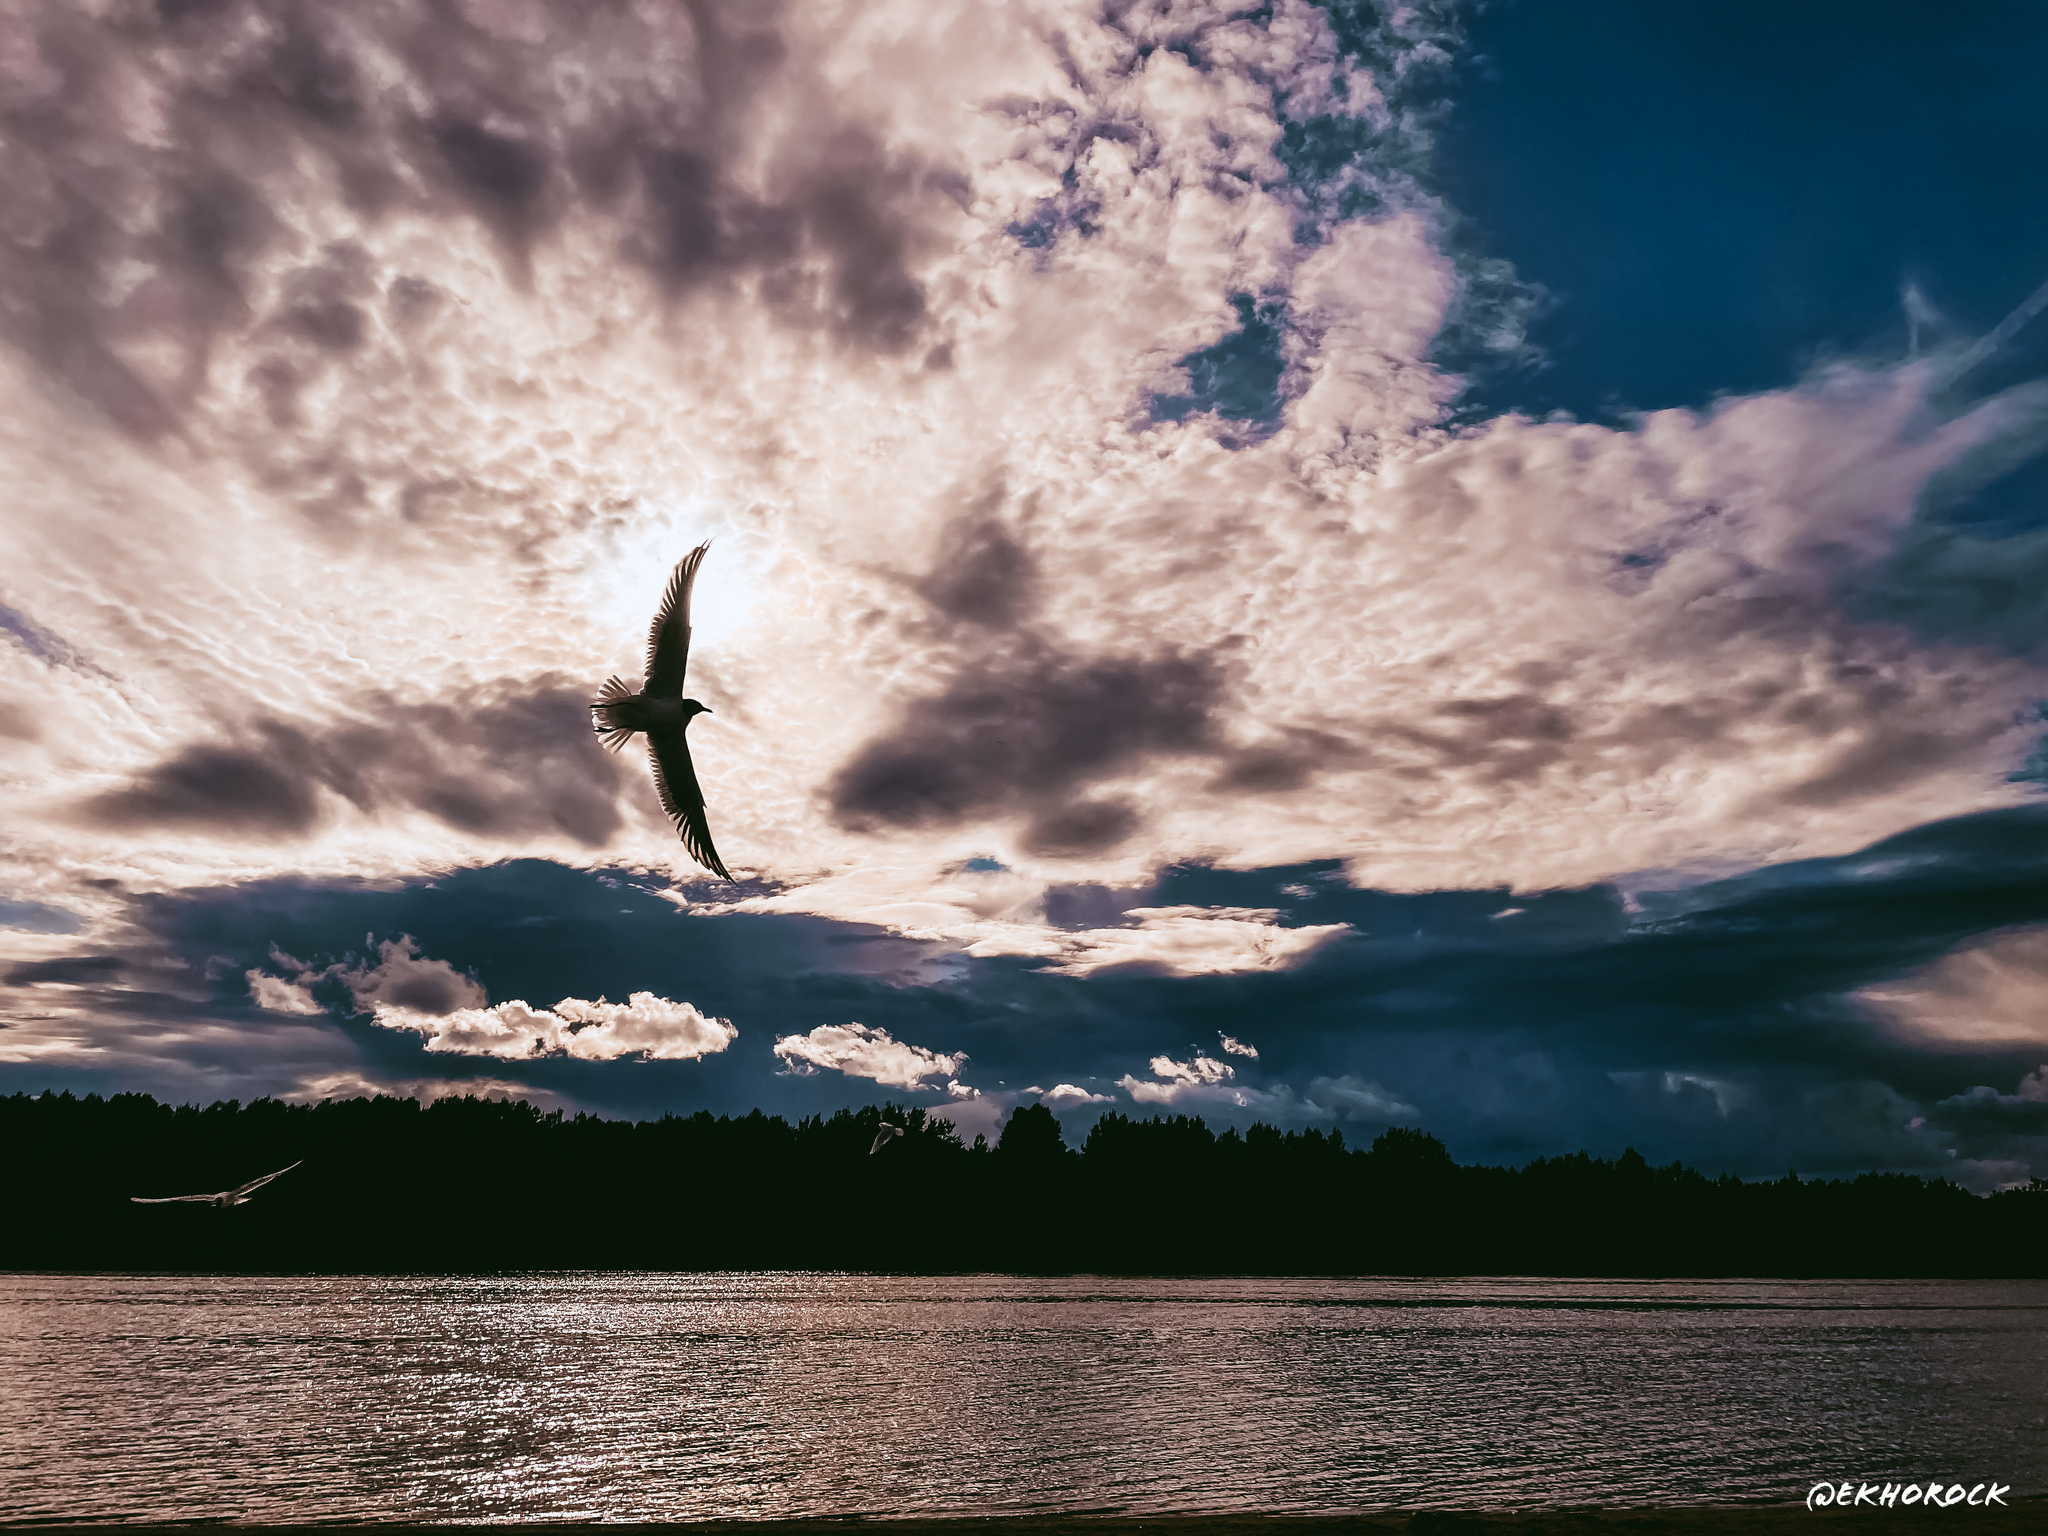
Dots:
(642, 1397)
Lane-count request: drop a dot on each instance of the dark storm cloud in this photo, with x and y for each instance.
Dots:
(1712, 1024)
(984, 575)
(145, 160)
(1987, 1116)
(516, 760)
(1288, 761)
(1030, 730)
(537, 931)
(78, 970)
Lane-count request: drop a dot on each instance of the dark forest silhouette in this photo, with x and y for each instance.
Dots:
(476, 1184)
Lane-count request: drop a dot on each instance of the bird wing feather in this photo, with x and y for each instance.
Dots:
(259, 1183)
(668, 638)
(675, 780)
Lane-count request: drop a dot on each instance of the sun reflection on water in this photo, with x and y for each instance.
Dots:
(696, 1396)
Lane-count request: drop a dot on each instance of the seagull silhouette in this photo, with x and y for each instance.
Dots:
(660, 710)
(882, 1137)
(237, 1196)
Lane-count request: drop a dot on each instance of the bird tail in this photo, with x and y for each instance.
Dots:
(604, 718)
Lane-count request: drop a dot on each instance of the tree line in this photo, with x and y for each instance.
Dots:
(388, 1184)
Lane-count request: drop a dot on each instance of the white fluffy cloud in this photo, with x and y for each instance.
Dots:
(652, 1028)
(406, 990)
(1235, 1047)
(1200, 1080)
(859, 1051)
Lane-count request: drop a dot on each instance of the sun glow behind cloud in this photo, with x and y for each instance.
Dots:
(485, 485)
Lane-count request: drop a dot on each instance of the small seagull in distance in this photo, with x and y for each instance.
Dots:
(882, 1137)
(660, 710)
(237, 1196)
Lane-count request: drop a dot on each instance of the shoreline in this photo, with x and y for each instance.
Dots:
(2021, 1514)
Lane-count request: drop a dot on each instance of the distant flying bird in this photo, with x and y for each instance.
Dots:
(882, 1137)
(239, 1196)
(660, 710)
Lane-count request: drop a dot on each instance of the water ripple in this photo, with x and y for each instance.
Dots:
(664, 1397)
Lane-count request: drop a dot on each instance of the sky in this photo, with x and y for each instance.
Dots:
(1476, 567)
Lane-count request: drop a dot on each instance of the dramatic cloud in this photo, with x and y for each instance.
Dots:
(470, 324)
(1116, 634)
(859, 1051)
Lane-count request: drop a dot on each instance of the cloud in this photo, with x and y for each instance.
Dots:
(415, 291)
(1994, 990)
(1067, 1096)
(1175, 941)
(189, 153)
(860, 1051)
(363, 371)
(1033, 731)
(411, 992)
(403, 978)
(281, 996)
(68, 971)
(1200, 1080)
(1718, 1021)
(519, 760)
(648, 1027)
(354, 1085)
(1356, 1098)
(1234, 1047)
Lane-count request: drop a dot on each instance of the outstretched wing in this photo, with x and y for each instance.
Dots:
(675, 780)
(668, 639)
(168, 1199)
(259, 1183)
(882, 1137)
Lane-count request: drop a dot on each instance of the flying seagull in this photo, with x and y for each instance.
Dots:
(238, 1196)
(882, 1137)
(660, 710)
